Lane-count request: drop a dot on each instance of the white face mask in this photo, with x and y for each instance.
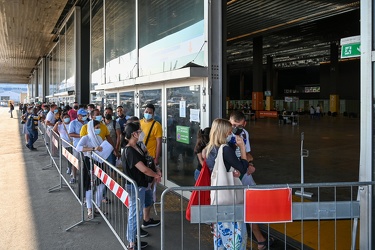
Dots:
(141, 136)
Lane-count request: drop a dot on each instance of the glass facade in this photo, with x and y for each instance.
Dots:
(127, 102)
(111, 100)
(171, 33)
(183, 124)
(120, 40)
(70, 55)
(62, 65)
(40, 78)
(97, 44)
(54, 71)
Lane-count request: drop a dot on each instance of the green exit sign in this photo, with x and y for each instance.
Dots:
(351, 50)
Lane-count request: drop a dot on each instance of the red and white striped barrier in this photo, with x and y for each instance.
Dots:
(55, 142)
(48, 131)
(112, 185)
(71, 158)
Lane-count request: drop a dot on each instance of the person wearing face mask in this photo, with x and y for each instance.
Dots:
(89, 143)
(61, 128)
(153, 133)
(121, 119)
(50, 118)
(90, 108)
(135, 166)
(104, 132)
(73, 112)
(238, 121)
(220, 133)
(113, 127)
(74, 130)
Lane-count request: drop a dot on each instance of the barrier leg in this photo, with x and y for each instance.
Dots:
(81, 192)
(61, 184)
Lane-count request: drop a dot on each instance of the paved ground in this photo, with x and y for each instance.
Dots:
(33, 218)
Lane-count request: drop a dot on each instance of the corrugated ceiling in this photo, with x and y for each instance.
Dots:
(295, 32)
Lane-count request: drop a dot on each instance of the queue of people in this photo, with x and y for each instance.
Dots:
(135, 141)
(85, 128)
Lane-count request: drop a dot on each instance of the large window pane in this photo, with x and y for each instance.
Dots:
(151, 97)
(97, 46)
(40, 78)
(70, 57)
(120, 40)
(111, 100)
(171, 33)
(182, 132)
(62, 58)
(127, 102)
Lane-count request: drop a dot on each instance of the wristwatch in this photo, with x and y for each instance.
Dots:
(93, 148)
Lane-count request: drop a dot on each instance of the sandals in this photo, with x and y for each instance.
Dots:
(265, 244)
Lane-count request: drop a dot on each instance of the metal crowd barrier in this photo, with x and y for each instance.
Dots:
(334, 205)
(115, 210)
(113, 206)
(333, 202)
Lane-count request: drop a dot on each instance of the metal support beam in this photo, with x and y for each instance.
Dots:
(217, 59)
(330, 210)
(366, 152)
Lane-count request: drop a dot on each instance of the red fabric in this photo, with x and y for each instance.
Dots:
(268, 205)
(200, 197)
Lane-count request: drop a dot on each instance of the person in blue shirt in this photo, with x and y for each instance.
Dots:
(74, 132)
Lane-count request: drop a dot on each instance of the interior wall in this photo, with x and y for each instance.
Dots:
(348, 84)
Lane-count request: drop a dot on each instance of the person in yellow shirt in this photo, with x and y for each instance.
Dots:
(104, 132)
(153, 133)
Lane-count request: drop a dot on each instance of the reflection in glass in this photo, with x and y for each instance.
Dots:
(152, 97)
(111, 100)
(97, 39)
(70, 56)
(171, 34)
(61, 82)
(120, 54)
(40, 78)
(127, 102)
(183, 123)
(97, 99)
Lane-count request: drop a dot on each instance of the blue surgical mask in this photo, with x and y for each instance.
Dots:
(113, 117)
(84, 118)
(66, 120)
(97, 131)
(99, 118)
(55, 111)
(147, 116)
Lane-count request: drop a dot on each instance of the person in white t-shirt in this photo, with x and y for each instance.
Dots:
(61, 128)
(317, 111)
(50, 118)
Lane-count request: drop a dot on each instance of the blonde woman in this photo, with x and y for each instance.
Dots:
(227, 235)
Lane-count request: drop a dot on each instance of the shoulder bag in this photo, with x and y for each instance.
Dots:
(221, 177)
(200, 197)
